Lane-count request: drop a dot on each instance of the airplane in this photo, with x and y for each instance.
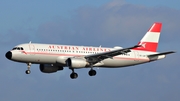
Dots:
(53, 57)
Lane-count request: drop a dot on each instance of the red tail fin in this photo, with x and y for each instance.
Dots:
(150, 41)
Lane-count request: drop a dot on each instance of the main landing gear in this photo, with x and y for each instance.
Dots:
(28, 70)
(74, 75)
(92, 72)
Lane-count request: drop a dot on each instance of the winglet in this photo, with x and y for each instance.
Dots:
(136, 46)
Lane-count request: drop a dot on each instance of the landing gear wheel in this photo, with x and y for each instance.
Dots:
(28, 71)
(92, 72)
(74, 75)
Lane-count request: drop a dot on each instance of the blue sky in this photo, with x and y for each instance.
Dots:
(88, 22)
(152, 3)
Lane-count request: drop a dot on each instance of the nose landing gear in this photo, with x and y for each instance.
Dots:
(28, 71)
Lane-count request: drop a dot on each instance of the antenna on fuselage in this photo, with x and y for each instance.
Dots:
(29, 42)
(100, 46)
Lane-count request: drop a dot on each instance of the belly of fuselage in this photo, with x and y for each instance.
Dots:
(115, 63)
(52, 59)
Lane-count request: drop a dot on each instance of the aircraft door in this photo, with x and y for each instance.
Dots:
(31, 47)
(136, 56)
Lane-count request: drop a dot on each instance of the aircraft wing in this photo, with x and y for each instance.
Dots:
(95, 58)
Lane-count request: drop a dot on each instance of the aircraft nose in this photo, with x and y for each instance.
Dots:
(9, 55)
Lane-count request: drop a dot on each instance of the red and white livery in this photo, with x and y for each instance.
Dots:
(52, 57)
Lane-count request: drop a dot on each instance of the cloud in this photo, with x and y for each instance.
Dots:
(117, 21)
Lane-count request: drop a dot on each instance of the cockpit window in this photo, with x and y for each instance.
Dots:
(17, 48)
(14, 48)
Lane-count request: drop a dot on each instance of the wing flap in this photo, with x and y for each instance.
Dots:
(101, 56)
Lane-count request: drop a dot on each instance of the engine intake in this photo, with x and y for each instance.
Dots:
(48, 68)
(76, 62)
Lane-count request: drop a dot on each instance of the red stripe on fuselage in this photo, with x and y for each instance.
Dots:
(53, 54)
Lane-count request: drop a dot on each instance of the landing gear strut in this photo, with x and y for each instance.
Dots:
(73, 75)
(92, 72)
(28, 70)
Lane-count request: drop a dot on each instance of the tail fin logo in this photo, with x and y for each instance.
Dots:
(142, 44)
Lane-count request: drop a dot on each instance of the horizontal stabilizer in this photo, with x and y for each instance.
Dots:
(163, 53)
(158, 56)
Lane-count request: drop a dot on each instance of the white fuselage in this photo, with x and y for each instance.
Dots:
(58, 54)
(52, 57)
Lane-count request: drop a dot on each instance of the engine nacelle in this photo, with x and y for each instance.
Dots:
(48, 68)
(62, 59)
(76, 62)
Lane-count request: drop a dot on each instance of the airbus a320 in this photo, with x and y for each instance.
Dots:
(53, 57)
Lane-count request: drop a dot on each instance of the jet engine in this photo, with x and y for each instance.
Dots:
(76, 62)
(49, 68)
